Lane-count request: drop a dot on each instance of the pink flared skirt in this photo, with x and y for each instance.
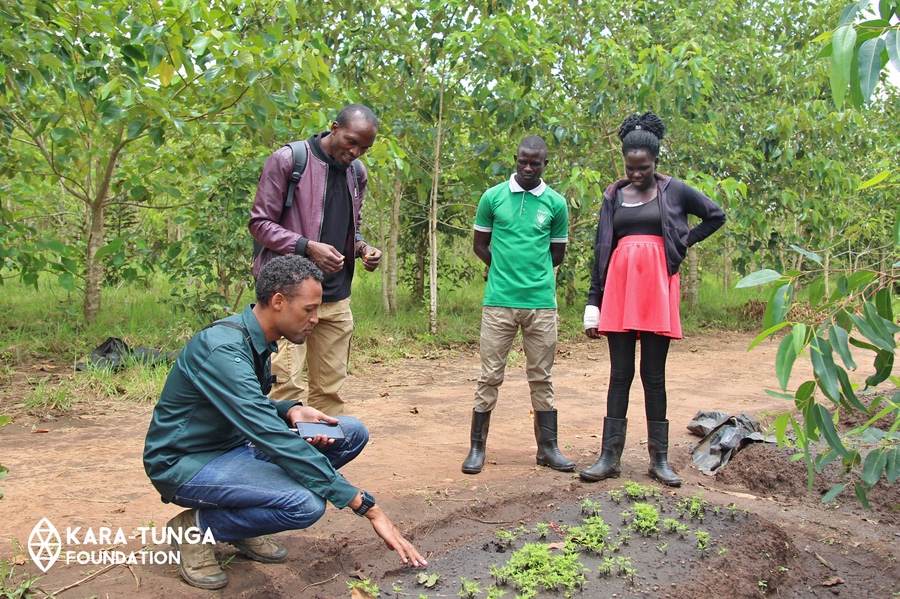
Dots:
(640, 295)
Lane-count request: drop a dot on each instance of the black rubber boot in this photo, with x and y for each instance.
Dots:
(608, 466)
(548, 454)
(481, 423)
(658, 444)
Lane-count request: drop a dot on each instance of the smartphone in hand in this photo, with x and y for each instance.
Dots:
(309, 430)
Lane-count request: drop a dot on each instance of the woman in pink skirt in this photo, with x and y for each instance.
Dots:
(642, 238)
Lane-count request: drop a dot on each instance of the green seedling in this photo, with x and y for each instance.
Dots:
(646, 519)
(591, 535)
(702, 540)
(427, 580)
(615, 495)
(506, 537)
(468, 590)
(733, 511)
(589, 507)
(634, 491)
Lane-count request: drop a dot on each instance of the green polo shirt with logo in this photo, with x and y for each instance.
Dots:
(522, 225)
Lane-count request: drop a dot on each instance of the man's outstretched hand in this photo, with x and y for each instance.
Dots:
(385, 529)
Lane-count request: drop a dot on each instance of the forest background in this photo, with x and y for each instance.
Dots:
(133, 134)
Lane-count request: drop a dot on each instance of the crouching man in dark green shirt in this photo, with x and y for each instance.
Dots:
(219, 446)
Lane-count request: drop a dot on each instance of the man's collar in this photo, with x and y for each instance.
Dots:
(516, 188)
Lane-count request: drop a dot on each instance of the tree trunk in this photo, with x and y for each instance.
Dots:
(726, 268)
(432, 219)
(393, 246)
(94, 269)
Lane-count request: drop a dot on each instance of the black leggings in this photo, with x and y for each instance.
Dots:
(654, 349)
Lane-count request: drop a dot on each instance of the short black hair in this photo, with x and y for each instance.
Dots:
(282, 275)
(352, 112)
(642, 132)
(533, 142)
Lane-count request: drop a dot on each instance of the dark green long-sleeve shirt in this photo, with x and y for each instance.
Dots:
(213, 401)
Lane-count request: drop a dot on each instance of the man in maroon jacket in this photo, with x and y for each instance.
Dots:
(323, 224)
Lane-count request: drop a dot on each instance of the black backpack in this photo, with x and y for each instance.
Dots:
(298, 149)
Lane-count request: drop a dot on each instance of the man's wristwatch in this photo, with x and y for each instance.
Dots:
(361, 250)
(367, 502)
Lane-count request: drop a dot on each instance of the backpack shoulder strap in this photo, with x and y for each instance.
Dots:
(298, 148)
(357, 167)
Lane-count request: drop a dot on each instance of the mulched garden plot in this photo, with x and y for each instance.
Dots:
(744, 554)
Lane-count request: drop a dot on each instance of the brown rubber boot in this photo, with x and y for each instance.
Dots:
(198, 565)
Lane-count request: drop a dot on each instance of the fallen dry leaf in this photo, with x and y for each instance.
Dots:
(415, 410)
(358, 574)
(833, 582)
(358, 593)
(40, 430)
(385, 394)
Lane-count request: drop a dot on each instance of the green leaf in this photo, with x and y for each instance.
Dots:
(156, 135)
(875, 180)
(884, 365)
(781, 427)
(778, 306)
(847, 390)
(826, 427)
(892, 465)
(833, 492)
(873, 466)
(892, 43)
(886, 9)
(870, 66)
(66, 281)
(839, 342)
(767, 333)
(111, 114)
(135, 128)
(760, 277)
(199, 43)
(61, 134)
(824, 368)
(5, 419)
(799, 337)
(850, 11)
(814, 257)
(133, 52)
(784, 360)
(816, 291)
(779, 395)
(871, 334)
(843, 45)
(883, 304)
(861, 495)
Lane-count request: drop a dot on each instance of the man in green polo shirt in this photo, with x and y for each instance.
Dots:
(521, 230)
(219, 447)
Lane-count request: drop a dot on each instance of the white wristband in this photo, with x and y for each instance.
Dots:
(591, 317)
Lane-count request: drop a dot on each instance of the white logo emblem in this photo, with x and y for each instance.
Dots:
(44, 544)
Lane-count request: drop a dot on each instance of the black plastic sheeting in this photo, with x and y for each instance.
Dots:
(723, 436)
(114, 355)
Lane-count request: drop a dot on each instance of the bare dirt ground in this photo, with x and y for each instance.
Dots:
(86, 471)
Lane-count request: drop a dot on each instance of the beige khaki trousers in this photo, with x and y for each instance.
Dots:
(326, 351)
(498, 330)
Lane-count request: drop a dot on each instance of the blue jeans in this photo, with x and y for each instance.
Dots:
(242, 494)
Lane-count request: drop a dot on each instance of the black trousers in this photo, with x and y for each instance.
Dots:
(654, 350)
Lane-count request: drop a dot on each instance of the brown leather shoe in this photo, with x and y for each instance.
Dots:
(198, 565)
(261, 549)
